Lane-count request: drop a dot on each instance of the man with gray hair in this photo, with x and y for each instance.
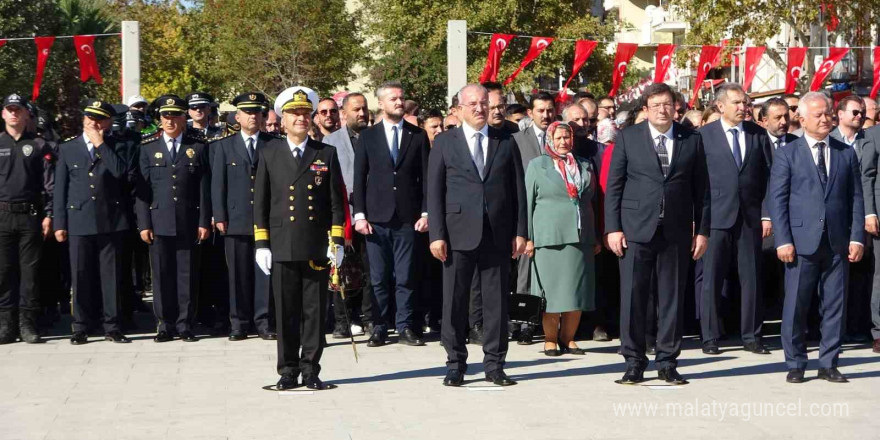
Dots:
(815, 201)
(870, 112)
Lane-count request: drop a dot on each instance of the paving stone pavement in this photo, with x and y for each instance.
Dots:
(213, 389)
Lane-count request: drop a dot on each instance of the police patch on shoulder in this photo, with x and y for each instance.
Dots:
(27, 150)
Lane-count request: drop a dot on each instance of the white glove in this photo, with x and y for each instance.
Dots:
(264, 260)
(336, 254)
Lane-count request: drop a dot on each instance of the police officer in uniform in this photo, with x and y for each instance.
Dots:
(298, 200)
(234, 168)
(91, 210)
(26, 184)
(201, 108)
(174, 217)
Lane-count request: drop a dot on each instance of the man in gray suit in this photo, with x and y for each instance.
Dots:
(531, 141)
(851, 117)
(871, 187)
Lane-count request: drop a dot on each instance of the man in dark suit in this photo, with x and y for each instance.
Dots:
(298, 201)
(850, 118)
(531, 142)
(871, 187)
(174, 217)
(234, 165)
(815, 201)
(390, 169)
(738, 173)
(90, 209)
(477, 207)
(653, 219)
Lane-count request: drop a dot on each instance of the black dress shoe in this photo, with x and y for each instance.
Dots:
(832, 375)
(117, 337)
(795, 375)
(499, 378)
(652, 350)
(409, 337)
(79, 338)
(341, 332)
(475, 335)
(162, 336)
(237, 335)
(632, 376)
(313, 383)
(287, 382)
(376, 340)
(600, 335)
(756, 347)
(525, 336)
(710, 346)
(454, 378)
(188, 336)
(269, 336)
(575, 351)
(670, 375)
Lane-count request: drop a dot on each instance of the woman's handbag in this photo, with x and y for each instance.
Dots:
(525, 308)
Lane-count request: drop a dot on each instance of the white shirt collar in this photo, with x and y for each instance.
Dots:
(301, 147)
(89, 143)
(167, 139)
(812, 142)
(469, 131)
(727, 128)
(246, 137)
(655, 132)
(388, 125)
(538, 134)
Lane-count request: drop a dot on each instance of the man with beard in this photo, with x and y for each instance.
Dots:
(497, 106)
(327, 118)
(531, 142)
(356, 117)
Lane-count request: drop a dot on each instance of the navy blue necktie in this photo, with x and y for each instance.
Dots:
(737, 151)
(250, 149)
(395, 149)
(820, 164)
(173, 150)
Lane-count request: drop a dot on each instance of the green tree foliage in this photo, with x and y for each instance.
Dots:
(269, 46)
(756, 21)
(407, 40)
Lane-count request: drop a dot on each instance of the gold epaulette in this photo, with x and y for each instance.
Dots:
(150, 137)
(71, 138)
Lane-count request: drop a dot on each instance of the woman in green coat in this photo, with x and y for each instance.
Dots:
(561, 191)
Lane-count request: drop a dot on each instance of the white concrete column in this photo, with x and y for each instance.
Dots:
(456, 57)
(131, 59)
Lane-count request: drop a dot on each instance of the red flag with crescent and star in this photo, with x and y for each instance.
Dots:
(582, 50)
(753, 59)
(795, 69)
(876, 87)
(835, 54)
(538, 46)
(664, 60)
(2, 42)
(497, 46)
(708, 59)
(625, 52)
(88, 62)
(43, 46)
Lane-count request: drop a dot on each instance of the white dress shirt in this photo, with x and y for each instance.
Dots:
(389, 133)
(470, 134)
(741, 137)
(89, 145)
(176, 143)
(301, 147)
(670, 144)
(538, 134)
(254, 137)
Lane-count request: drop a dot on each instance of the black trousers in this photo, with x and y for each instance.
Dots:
(493, 266)
(55, 277)
(739, 246)
(607, 291)
(300, 304)
(663, 264)
(249, 287)
(141, 271)
(128, 293)
(96, 266)
(858, 302)
(475, 307)
(175, 263)
(361, 297)
(430, 281)
(213, 291)
(21, 243)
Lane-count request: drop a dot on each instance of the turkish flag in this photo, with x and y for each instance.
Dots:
(88, 62)
(835, 54)
(43, 46)
(497, 46)
(795, 69)
(625, 52)
(753, 59)
(2, 42)
(538, 46)
(664, 60)
(582, 51)
(876, 87)
(708, 59)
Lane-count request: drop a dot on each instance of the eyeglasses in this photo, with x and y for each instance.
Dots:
(858, 113)
(331, 111)
(450, 127)
(476, 105)
(659, 105)
(200, 107)
(792, 108)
